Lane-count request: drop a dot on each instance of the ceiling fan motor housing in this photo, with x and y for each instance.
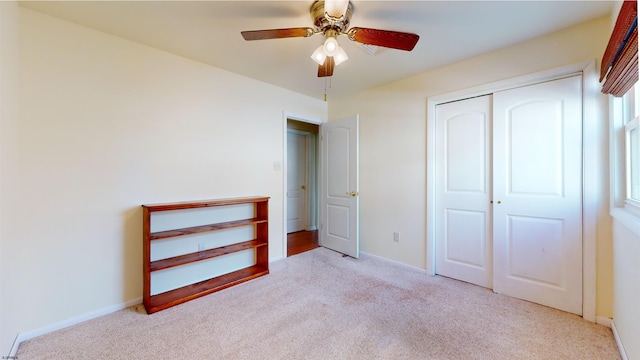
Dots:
(323, 22)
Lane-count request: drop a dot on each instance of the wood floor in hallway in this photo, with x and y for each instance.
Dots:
(301, 241)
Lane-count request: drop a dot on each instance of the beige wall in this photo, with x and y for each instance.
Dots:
(393, 177)
(8, 160)
(626, 316)
(107, 125)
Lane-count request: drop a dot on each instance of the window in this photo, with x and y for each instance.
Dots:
(619, 72)
(625, 158)
(631, 109)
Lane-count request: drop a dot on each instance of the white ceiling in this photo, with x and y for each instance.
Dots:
(209, 32)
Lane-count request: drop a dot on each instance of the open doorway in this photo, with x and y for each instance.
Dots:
(302, 187)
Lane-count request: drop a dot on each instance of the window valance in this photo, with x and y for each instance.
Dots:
(620, 59)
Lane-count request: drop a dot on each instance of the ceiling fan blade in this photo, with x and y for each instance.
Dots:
(390, 39)
(277, 33)
(326, 69)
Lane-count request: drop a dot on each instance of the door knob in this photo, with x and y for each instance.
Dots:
(303, 187)
(353, 193)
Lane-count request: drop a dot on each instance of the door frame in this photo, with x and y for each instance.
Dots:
(289, 116)
(592, 106)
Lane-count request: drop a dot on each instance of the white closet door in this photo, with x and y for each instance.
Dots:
(463, 190)
(537, 193)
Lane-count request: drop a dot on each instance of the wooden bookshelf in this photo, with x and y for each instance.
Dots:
(260, 245)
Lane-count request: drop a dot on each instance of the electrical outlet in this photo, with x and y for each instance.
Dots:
(396, 236)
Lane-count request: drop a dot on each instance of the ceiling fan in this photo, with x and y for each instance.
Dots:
(331, 18)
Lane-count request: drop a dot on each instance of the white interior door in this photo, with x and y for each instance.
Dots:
(296, 181)
(537, 191)
(463, 190)
(509, 192)
(339, 227)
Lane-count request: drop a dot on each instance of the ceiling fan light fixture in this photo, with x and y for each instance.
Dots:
(336, 8)
(319, 56)
(340, 56)
(331, 46)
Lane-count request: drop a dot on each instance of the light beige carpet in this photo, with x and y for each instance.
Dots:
(320, 305)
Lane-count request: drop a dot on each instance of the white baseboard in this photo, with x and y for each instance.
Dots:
(395, 262)
(28, 335)
(623, 353)
(604, 321)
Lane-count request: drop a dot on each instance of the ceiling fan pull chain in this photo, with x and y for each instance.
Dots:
(325, 89)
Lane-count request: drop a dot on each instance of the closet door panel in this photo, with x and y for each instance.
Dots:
(537, 187)
(463, 190)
